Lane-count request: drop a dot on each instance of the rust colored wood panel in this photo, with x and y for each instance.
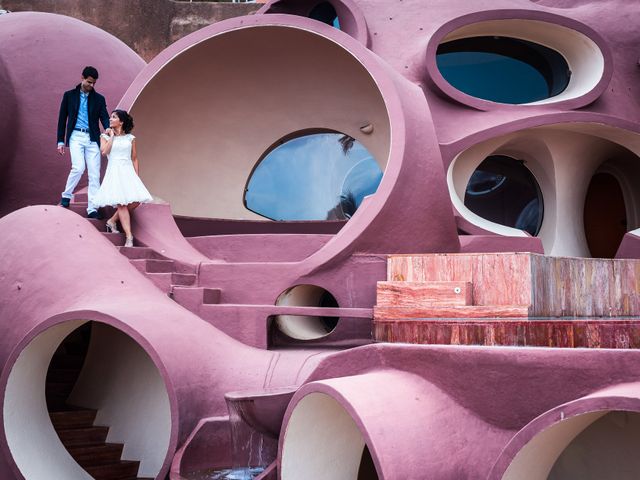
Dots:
(474, 311)
(504, 279)
(552, 286)
(418, 294)
(619, 334)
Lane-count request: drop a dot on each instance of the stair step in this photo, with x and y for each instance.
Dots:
(183, 279)
(149, 265)
(474, 311)
(136, 253)
(80, 197)
(66, 361)
(164, 281)
(73, 419)
(76, 437)
(62, 375)
(59, 388)
(94, 455)
(193, 297)
(424, 294)
(79, 207)
(116, 238)
(123, 469)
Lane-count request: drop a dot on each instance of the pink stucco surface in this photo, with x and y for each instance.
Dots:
(475, 407)
(42, 57)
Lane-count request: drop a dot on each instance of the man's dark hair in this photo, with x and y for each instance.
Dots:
(90, 72)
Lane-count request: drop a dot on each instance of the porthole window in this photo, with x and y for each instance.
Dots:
(503, 190)
(502, 69)
(320, 176)
(325, 12)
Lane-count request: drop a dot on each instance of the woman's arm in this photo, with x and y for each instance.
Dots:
(106, 143)
(134, 156)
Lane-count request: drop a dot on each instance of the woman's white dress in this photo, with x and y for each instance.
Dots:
(121, 185)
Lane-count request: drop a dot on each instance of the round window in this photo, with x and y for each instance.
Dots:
(503, 69)
(325, 12)
(321, 176)
(502, 190)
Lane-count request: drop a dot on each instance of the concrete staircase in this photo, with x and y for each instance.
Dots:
(181, 282)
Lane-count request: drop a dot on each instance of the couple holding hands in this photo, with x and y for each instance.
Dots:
(81, 110)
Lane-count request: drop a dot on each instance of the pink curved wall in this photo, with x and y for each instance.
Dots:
(43, 56)
(483, 409)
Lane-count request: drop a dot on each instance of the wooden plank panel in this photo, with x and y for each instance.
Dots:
(417, 294)
(474, 311)
(513, 332)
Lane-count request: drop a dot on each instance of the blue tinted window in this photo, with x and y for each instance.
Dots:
(322, 176)
(504, 191)
(503, 70)
(325, 13)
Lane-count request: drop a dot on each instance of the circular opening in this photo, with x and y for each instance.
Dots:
(504, 191)
(605, 215)
(118, 397)
(344, 15)
(269, 77)
(325, 12)
(502, 69)
(605, 449)
(590, 446)
(518, 62)
(318, 176)
(306, 327)
(562, 159)
(322, 441)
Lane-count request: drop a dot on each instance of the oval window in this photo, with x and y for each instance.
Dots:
(325, 12)
(503, 69)
(502, 190)
(321, 176)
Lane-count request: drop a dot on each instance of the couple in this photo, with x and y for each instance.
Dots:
(81, 110)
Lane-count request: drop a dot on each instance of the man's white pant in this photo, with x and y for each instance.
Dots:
(83, 151)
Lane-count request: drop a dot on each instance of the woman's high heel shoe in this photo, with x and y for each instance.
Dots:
(128, 242)
(111, 227)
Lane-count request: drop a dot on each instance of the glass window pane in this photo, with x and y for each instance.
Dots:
(322, 176)
(503, 70)
(504, 191)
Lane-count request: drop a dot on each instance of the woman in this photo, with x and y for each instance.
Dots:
(121, 187)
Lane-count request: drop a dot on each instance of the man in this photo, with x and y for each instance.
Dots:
(81, 109)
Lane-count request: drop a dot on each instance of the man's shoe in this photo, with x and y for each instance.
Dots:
(93, 214)
(64, 202)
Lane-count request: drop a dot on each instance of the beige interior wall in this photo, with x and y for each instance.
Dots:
(31, 438)
(562, 158)
(120, 380)
(301, 327)
(209, 115)
(608, 448)
(535, 460)
(321, 441)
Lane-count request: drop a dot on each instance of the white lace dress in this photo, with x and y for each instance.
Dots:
(121, 185)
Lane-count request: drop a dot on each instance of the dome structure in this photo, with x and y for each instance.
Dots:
(42, 56)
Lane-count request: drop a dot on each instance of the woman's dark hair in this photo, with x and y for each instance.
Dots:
(126, 119)
(90, 72)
